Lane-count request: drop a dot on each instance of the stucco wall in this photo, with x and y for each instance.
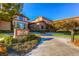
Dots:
(5, 25)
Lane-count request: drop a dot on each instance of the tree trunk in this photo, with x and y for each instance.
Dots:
(72, 35)
(11, 26)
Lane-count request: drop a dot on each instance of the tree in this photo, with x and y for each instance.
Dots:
(71, 26)
(57, 25)
(8, 10)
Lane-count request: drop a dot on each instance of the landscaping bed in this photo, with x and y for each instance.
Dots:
(19, 46)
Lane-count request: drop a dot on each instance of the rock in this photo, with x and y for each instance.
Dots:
(3, 50)
(76, 42)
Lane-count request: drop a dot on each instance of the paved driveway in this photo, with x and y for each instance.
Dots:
(55, 47)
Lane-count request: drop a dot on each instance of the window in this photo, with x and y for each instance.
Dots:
(21, 25)
(20, 18)
(42, 27)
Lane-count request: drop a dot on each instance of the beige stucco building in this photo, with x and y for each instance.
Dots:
(40, 23)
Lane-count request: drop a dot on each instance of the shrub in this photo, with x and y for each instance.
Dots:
(14, 41)
(34, 42)
(5, 31)
(17, 47)
(25, 43)
(20, 48)
(2, 37)
(32, 37)
(25, 38)
(8, 41)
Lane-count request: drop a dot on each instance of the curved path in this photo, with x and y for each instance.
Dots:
(55, 47)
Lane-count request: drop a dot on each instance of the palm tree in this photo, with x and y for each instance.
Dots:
(8, 10)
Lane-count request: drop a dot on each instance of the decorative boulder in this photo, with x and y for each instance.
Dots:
(3, 50)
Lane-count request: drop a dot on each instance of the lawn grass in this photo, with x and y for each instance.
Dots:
(65, 35)
(37, 35)
(2, 35)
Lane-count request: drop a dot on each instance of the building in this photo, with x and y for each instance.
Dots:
(40, 24)
(5, 25)
(20, 24)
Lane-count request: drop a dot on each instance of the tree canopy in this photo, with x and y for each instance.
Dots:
(7, 10)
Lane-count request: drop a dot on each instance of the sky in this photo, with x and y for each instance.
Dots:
(52, 11)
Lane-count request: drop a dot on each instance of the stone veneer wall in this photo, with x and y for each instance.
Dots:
(5, 25)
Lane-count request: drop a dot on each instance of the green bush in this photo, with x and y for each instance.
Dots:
(17, 47)
(20, 39)
(8, 41)
(14, 41)
(2, 35)
(5, 31)
(34, 42)
(32, 37)
(26, 38)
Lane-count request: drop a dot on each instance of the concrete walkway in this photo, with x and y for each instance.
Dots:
(55, 47)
